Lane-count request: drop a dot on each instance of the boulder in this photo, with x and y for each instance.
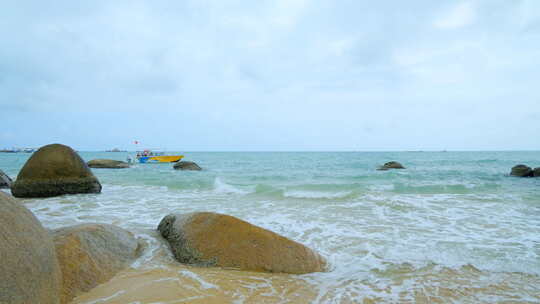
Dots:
(536, 172)
(521, 171)
(391, 165)
(5, 181)
(29, 271)
(187, 165)
(54, 170)
(107, 163)
(211, 239)
(91, 254)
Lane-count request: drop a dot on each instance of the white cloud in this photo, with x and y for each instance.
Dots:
(459, 16)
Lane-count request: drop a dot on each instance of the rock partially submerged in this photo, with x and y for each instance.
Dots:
(391, 165)
(211, 239)
(187, 165)
(107, 163)
(54, 170)
(5, 181)
(536, 172)
(29, 271)
(522, 171)
(91, 254)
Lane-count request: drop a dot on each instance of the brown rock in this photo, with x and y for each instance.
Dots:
(54, 170)
(91, 254)
(521, 171)
(29, 271)
(107, 163)
(5, 181)
(211, 239)
(391, 165)
(187, 165)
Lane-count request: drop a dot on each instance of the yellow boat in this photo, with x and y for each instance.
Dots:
(148, 156)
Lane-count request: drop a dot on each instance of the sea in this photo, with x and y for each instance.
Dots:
(453, 227)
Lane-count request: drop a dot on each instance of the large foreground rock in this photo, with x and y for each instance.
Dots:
(521, 171)
(54, 170)
(187, 165)
(107, 163)
(5, 181)
(391, 165)
(211, 239)
(29, 271)
(90, 254)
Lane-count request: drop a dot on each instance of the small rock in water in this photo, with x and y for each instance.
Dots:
(107, 163)
(187, 165)
(54, 170)
(212, 239)
(5, 181)
(536, 172)
(91, 254)
(521, 171)
(29, 271)
(391, 165)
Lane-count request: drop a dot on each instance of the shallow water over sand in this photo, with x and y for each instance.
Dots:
(451, 228)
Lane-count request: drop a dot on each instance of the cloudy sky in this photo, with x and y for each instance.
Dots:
(271, 75)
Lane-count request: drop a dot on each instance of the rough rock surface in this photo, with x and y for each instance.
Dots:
(521, 171)
(54, 170)
(5, 181)
(536, 172)
(211, 239)
(90, 254)
(187, 165)
(391, 165)
(107, 163)
(29, 271)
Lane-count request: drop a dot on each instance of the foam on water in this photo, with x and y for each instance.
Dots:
(450, 228)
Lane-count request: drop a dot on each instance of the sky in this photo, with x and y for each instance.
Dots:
(280, 75)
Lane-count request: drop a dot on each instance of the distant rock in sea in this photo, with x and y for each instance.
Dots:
(391, 165)
(187, 165)
(536, 172)
(5, 181)
(107, 163)
(211, 239)
(54, 170)
(522, 171)
(29, 271)
(91, 254)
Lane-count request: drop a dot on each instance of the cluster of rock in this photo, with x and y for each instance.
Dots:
(42, 266)
(391, 165)
(39, 266)
(525, 171)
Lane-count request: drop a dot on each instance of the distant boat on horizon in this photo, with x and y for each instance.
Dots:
(115, 150)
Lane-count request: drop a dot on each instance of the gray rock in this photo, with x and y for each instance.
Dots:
(212, 239)
(107, 163)
(391, 165)
(54, 170)
(29, 271)
(187, 165)
(521, 171)
(91, 254)
(5, 181)
(536, 172)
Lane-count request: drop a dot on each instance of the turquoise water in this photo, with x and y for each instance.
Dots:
(452, 219)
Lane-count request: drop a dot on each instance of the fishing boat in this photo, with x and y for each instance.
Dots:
(149, 156)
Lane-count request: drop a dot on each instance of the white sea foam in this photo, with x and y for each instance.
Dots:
(316, 194)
